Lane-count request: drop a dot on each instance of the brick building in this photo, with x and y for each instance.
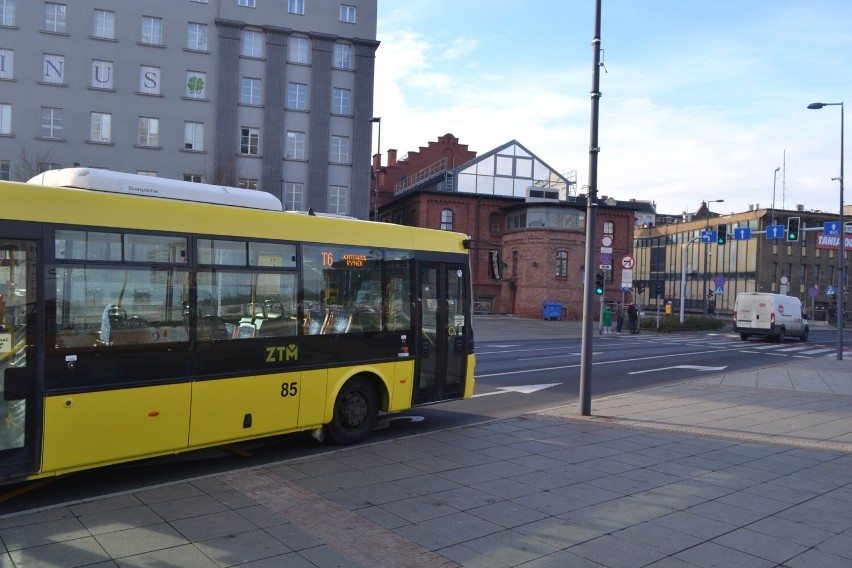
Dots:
(519, 212)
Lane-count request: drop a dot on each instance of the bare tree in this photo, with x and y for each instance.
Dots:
(32, 163)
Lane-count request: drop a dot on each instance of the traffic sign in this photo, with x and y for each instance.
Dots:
(775, 232)
(606, 258)
(606, 267)
(627, 262)
(606, 241)
(720, 290)
(719, 280)
(813, 291)
(742, 234)
(831, 228)
(830, 291)
(708, 236)
(624, 289)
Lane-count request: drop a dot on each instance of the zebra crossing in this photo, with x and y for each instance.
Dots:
(731, 342)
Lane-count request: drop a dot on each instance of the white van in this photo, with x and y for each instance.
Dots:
(769, 315)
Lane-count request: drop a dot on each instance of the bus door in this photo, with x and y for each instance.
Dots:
(442, 358)
(19, 385)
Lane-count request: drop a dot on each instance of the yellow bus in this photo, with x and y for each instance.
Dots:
(141, 316)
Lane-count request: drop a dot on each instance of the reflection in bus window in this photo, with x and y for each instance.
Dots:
(118, 307)
(241, 305)
(345, 290)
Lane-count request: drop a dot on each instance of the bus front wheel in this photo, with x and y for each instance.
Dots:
(356, 411)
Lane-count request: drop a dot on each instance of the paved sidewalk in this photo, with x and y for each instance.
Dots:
(743, 469)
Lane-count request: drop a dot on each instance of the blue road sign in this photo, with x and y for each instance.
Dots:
(708, 236)
(813, 291)
(830, 291)
(719, 280)
(742, 234)
(831, 227)
(720, 290)
(606, 258)
(775, 232)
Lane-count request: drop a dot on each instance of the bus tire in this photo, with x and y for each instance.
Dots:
(356, 411)
(744, 336)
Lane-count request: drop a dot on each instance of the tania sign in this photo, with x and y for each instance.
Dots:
(824, 241)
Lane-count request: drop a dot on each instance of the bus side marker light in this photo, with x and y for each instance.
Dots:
(68, 403)
(154, 413)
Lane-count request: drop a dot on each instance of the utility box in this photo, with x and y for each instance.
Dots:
(551, 311)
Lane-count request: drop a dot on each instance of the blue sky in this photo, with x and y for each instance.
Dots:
(702, 99)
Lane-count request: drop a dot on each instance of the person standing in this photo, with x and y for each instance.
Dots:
(633, 318)
(619, 317)
(606, 319)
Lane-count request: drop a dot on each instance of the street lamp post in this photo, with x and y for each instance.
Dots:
(841, 264)
(774, 181)
(707, 255)
(377, 119)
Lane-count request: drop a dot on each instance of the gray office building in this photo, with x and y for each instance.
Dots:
(274, 95)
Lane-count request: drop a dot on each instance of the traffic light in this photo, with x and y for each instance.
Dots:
(659, 288)
(722, 234)
(793, 229)
(641, 288)
(599, 283)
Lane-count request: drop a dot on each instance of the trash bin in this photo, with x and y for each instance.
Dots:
(551, 311)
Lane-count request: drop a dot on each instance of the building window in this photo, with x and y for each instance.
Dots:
(294, 195)
(246, 3)
(196, 81)
(104, 27)
(53, 69)
(295, 145)
(101, 74)
(51, 122)
(193, 136)
(347, 14)
(45, 166)
(5, 119)
(54, 17)
(247, 183)
(152, 30)
(149, 131)
(297, 51)
(609, 228)
(342, 56)
(297, 96)
(340, 149)
(148, 173)
(196, 36)
(252, 44)
(251, 91)
(7, 12)
(4, 170)
(446, 219)
(341, 101)
(561, 264)
(296, 7)
(149, 80)
(100, 127)
(194, 178)
(199, 1)
(338, 197)
(249, 141)
(7, 64)
(494, 223)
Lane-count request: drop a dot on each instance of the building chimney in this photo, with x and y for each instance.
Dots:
(391, 157)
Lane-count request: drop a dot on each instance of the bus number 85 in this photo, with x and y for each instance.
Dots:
(289, 389)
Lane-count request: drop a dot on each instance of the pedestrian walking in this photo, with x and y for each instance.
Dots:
(619, 317)
(633, 318)
(606, 319)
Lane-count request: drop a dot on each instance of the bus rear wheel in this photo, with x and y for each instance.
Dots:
(356, 411)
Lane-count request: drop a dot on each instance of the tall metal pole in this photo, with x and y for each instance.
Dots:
(377, 119)
(841, 263)
(591, 214)
(774, 181)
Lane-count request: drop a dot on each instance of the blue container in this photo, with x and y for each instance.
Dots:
(551, 311)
